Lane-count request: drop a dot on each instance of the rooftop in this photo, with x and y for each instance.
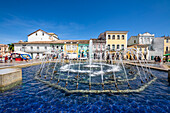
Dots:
(55, 42)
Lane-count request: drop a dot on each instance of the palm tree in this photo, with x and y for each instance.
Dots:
(11, 47)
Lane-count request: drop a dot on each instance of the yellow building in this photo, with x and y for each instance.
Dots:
(166, 45)
(142, 48)
(115, 40)
(71, 48)
(3, 49)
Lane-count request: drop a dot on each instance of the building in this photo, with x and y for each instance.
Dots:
(115, 40)
(145, 38)
(3, 49)
(99, 47)
(40, 42)
(37, 48)
(150, 46)
(156, 48)
(41, 35)
(83, 50)
(144, 43)
(139, 48)
(166, 44)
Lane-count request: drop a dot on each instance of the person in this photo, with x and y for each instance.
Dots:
(164, 59)
(155, 58)
(37, 57)
(159, 59)
(27, 58)
(6, 59)
(10, 58)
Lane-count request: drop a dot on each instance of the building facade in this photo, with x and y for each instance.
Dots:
(140, 48)
(71, 49)
(145, 38)
(36, 48)
(41, 35)
(156, 48)
(166, 44)
(3, 49)
(83, 50)
(99, 48)
(115, 40)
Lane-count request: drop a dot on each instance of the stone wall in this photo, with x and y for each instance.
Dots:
(9, 76)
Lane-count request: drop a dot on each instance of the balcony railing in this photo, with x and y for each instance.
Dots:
(34, 50)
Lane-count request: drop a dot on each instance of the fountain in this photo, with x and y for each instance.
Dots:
(98, 76)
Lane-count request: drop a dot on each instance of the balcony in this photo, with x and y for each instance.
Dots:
(34, 50)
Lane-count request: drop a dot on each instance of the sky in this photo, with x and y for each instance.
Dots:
(82, 19)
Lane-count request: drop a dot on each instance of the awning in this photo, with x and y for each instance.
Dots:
(167, 54)
(19, 52)
(6, 54)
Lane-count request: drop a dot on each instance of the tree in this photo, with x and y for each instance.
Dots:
(11, 47)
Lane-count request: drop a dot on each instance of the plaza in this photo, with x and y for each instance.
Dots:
(84, 56)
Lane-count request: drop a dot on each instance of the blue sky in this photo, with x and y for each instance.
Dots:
(82, 19)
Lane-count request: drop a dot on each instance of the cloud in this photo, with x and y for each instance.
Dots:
(7, 39)
(14, 28)
(14, 21)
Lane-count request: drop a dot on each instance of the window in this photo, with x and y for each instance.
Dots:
(36, 34)
(43, 34)
(31, 47)
(94, 46)
(166, 40)
(113, 37)
(113, 46)
(74, 47)
(118, 37)
(32, 55)
(140, 49)
(108, 46)
(166, 48)
(61, 47)
(122, 46)
(99, 46)
(108, 36)
(68, 47)
(118, 46)
(38, 47)
(134, 41)
(123, 37)
(57, 47)
(103, 46)
(45, 47)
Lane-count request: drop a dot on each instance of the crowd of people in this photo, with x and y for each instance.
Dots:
(11, 58)
(157, 59)
(8, 58)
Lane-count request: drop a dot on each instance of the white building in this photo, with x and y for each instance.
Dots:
(39, 47)
(154, 45)
(41, 35)
(39, 42)
(145, 38)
